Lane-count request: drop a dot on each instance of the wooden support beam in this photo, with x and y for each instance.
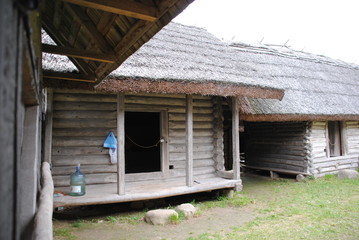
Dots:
(67, 76)
(122, 7)
(48, 127)
(189, 140)
(132, 36)
(60, 40)
(87, 23)
(77, 53)
(120, 144)
(235, 138)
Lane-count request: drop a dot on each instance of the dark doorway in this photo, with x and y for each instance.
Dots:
(142, 142)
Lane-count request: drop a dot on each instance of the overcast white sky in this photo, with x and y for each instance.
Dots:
(327, 27)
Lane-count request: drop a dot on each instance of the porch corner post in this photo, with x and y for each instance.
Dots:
(235, 139)
(121, 144)
(189, 140)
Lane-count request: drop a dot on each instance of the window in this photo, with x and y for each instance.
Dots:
(335, 140)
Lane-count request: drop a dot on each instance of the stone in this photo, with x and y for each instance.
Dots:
(348, 173)
(187, 209)
(160, 216)
(300, 178)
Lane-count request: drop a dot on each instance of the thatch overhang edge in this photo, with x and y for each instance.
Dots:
(296, 117)
(115, 85)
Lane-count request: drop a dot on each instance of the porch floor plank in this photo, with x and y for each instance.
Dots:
(135, 191)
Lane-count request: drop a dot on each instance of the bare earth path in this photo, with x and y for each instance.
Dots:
(209, 221)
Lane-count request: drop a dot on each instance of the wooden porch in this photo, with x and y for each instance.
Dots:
(135, 191)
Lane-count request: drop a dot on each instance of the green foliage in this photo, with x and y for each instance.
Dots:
(174, 219)
(63, 233)
(322, 209)
(111, 219)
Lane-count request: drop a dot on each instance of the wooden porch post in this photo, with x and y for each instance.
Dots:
(121, 144)
(189, 140)
(48, 127)
(235, 139)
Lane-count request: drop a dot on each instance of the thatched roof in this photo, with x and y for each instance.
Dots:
(316, 87)
(185, 60)
(99, 36)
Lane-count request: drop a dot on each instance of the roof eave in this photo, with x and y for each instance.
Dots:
(297, 117)
(188, 87)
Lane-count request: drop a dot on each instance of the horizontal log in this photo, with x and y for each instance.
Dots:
(77, 53)
(84, 123)
(196, 117)
(78, 141)
(196, 125)
(280, 166)
(263, 150)
(73, 160)
(196, 163)
(196, 148)
(90, 179)
(196, 133)
(83, 106)
(276, 160)
(82, 132)
(274, 155)
(88, 97)
(86, 169)
(85, 114)
(347, 158)
(70, 151)
(181, 140)
(196, 156)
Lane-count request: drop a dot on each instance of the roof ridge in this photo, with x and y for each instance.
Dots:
(293, 54)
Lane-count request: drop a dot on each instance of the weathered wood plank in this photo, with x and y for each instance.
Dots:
(196, 132)
(196, 155)
(70, 151)
(73, 160)
(83, 106)
(196, 147)
(85, 114)
(78, 141)
(86, 169)
(121, 144)
(235, 139)
(189, 141)
(48, 128)
(84, 123)
(79, 97)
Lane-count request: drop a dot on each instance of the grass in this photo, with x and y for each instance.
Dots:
(325, 208)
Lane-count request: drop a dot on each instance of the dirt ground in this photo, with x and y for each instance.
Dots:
(209, 221)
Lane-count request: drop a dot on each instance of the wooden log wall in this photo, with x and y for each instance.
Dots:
(321, 164)
(82, 120)
(277, 145)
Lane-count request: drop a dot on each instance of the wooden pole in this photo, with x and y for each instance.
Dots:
(43, 218)
(48, 127)
(235, 139)
(189, 140)
(121, 144)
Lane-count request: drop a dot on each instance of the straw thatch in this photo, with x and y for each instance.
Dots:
(189, 60)
(185, 60)
(316, 87)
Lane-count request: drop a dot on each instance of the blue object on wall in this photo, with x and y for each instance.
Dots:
(110, 141)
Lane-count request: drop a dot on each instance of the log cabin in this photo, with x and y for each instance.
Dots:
(97, 36)
(164, 105)
(314, 129)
